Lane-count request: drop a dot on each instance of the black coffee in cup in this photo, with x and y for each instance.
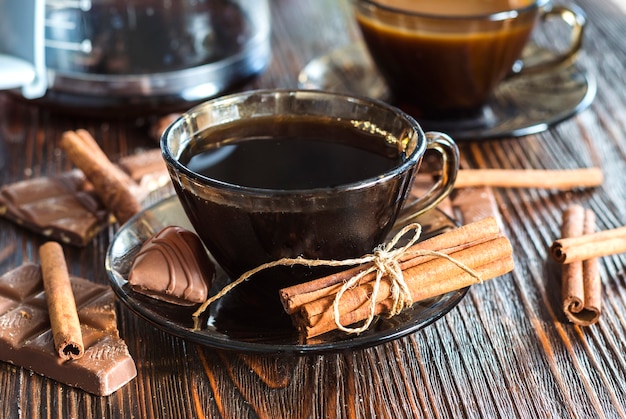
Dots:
(304, 158)
(304, 153)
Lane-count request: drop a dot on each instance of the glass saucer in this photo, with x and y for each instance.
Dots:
(522, 105)
(242, 321)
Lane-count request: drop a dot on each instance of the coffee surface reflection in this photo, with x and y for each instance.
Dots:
(304, 153)
(456, 7)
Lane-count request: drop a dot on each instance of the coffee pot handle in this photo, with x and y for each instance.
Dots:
(449, 152)
(22, 47)
(575, 18)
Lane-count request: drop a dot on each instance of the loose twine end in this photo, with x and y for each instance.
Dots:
(384, 261)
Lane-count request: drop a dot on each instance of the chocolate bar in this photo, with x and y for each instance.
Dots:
(26, 337)
(62, 208)
(474, 204)
(65, 208)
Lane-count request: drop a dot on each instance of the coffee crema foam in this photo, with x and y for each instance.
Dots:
(456, 7)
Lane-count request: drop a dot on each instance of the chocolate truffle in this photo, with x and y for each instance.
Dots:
(173, 266)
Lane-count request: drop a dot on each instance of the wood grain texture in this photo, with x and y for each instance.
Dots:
(507, 350)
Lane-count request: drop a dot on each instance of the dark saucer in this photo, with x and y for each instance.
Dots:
(245, 321)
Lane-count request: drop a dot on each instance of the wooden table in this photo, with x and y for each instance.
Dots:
(506, 350)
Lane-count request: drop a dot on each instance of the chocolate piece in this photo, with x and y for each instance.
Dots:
(474, 204)
(147, 169)
(158, 126)
(26, 338)
(65, 208)
(173, 266)
(62, 208)
(148, 163)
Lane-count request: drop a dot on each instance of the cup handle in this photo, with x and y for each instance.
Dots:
(576, 19)
(447, 148)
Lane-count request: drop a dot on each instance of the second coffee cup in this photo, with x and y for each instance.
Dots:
(446, 58)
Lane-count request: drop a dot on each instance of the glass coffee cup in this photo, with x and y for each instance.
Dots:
(265, 175)
(444, 59)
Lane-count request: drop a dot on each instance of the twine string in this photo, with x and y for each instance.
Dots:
(384, 262)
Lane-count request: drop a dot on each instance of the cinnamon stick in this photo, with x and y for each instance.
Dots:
(65, 325)
(589, 246)
(530, 178)
(425, 280)
(96, 153)
(581, 284)
(110, 183)
(454, 240)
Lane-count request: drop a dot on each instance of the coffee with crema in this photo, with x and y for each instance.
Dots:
(456, 7)
(439, 57)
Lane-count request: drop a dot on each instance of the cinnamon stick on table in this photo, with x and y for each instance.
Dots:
(479, 246)
(581, 284)
(111, 184)
(588, 246)
(530, 178)
(65, 325)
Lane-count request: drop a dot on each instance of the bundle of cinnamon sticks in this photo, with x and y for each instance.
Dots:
(479, 251)
(581, 286)
(578, 250)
